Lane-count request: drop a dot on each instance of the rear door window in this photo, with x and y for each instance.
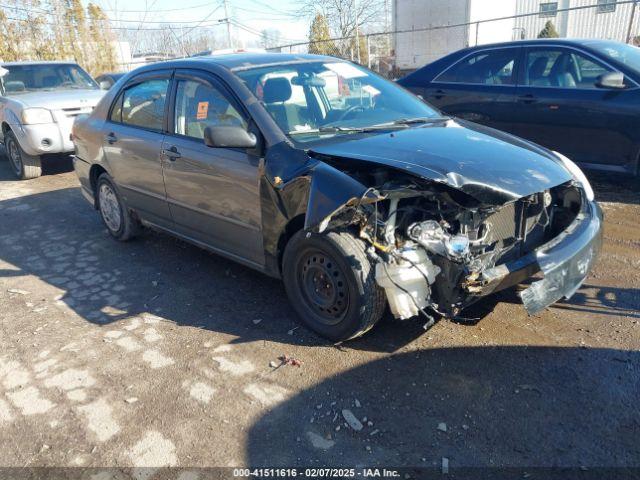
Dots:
(493, 67)
(143, 104)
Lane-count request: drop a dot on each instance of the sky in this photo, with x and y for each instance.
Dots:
(255, 14)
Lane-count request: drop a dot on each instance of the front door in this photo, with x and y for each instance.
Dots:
(213, 193)
(561, 108)
(481, 88)
(133, 135)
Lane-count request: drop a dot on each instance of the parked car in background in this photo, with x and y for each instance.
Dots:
(356, 196)
(577, 97)
(107, 80)
(38, 103)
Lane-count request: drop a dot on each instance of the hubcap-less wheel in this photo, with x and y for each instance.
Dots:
(15, 157)
(110, 208)
(323, 286)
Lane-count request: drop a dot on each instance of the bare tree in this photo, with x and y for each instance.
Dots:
(346, 17)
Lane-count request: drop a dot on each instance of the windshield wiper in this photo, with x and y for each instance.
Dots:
(327, 130)
(418, 120)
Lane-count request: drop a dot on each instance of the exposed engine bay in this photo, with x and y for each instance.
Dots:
(435, 246)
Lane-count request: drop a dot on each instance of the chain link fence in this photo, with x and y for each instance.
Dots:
(398, 52)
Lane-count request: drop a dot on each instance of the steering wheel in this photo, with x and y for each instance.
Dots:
(346, 114)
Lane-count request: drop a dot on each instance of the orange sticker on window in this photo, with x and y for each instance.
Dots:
(203, 109)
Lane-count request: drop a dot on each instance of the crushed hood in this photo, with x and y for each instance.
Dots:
(493, 167)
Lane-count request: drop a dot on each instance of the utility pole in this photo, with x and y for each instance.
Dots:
(633, 14)
(228, 20)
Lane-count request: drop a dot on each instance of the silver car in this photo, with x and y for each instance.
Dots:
(38, 104)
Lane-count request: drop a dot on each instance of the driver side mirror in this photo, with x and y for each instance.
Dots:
(229, 137)
(611, 80)
(105, 85)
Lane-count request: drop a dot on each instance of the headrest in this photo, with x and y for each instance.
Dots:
(14, 86)
(538, 67)
(277, 90)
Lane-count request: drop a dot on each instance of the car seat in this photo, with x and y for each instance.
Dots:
(276, 92)
(536, 72)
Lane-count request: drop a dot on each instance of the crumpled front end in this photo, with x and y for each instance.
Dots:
(566, 261)
(438, 249)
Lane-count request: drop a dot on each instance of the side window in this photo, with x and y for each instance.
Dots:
(493, 67)
(562, 69)
(198, 106)
(143, 104)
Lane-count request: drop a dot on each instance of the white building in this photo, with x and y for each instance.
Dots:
(609, 19)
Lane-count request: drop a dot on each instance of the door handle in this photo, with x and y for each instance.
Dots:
(439, 94)
(529, 98)
(111, 138)
(171, 153)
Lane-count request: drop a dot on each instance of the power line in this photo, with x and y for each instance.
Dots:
(208, 4)
(54, 14)
(130, 29)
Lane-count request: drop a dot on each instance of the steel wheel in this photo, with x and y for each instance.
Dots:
(323, 286)
(110, 207)
(14, 156)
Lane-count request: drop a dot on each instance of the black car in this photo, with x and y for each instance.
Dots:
(577, 97)
(108, 80)
(352, 190)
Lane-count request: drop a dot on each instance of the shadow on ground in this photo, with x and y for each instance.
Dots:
(503, 406)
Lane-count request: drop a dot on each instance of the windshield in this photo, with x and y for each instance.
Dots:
(317, 99)
(45, 77)
(621, 52)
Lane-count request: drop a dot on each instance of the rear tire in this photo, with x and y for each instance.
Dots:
(118, 219)
(24, 166)
(331, 284)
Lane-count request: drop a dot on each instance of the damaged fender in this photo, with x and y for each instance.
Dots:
(332, 190)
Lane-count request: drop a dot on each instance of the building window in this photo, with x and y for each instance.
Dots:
(548, 9)
(606, 6)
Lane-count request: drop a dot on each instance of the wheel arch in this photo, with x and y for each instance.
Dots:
(293, 226)
(94, 173)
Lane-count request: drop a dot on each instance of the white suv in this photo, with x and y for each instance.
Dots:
(38, 103)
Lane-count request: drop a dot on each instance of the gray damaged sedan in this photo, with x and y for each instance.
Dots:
(352, 190)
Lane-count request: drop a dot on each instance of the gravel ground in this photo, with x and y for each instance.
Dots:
(156, 353)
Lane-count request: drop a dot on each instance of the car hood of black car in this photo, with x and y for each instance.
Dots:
(491, 166)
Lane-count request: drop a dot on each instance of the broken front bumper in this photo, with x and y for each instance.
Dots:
(565, 262)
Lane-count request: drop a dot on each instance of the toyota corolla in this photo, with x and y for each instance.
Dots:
(353, 191)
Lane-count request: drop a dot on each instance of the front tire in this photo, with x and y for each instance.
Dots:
(331, 284)
(24, 166)
(114, 213)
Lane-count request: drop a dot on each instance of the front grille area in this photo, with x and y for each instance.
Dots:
(529, 223)
(73, 112)
(503, 224)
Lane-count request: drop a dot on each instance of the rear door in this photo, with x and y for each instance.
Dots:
(133, 135)
(560, 107)
(213, 193)
(480, 87)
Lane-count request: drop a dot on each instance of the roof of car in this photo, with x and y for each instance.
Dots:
(542, 41)
(239, 61)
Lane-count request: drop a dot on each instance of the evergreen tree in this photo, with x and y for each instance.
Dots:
(320, 38)
(549, 31)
